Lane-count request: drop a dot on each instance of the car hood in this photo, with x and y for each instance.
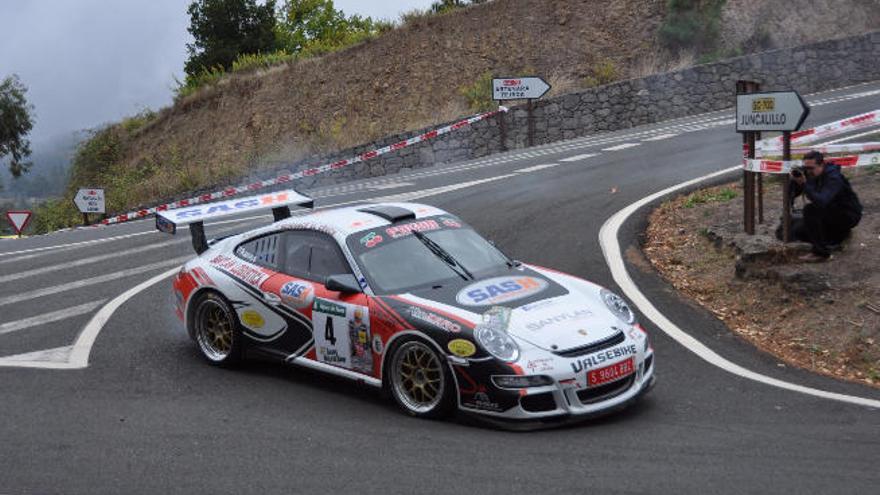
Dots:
(550, 310)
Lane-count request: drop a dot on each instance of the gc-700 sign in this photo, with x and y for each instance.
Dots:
(773, 111)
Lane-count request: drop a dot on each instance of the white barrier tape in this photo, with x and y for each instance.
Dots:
(784, 167)
(281, 179)
(827, 150)
(807, 136)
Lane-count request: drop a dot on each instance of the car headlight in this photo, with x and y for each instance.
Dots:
(618, 306)
(521, 381)
(497, 343)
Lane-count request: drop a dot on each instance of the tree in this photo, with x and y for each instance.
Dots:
(305, 23)
(225, 29)
(16, 121)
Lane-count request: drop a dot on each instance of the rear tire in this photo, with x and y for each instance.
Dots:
(419, 379)
(216, 330)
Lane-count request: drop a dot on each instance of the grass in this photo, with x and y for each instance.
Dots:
(255, 61)
(478, 94)
(604, 72)
(709, 196)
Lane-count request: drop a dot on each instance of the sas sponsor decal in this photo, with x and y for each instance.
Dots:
(603, 357)
(462, 348)
(500, 290)
(399, 231)
(371, 240)
(437, 321)
(252, 319)
(248, 274)
(297, 294)
(578, 314)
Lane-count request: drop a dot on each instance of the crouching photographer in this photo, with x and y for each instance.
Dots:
(833, 211)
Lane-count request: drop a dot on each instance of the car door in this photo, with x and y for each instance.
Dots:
(340, 322)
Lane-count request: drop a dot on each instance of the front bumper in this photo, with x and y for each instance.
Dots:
(564, 401)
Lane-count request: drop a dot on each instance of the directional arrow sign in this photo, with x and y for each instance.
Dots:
(519, 88)
(773, 111)
(18, 219)
(90, 200)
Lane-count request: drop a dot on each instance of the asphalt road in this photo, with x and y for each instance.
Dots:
(148, 416)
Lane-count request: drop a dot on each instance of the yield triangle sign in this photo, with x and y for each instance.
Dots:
(18, 219)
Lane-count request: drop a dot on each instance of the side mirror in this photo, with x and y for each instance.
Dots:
(342, 283)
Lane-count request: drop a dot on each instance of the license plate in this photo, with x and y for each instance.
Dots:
(610, 373)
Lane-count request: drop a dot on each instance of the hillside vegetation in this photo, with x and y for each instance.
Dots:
(427, 70)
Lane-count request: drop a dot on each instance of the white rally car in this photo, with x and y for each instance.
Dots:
(408, 298)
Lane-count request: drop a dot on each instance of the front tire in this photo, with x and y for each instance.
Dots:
(420, 381)
(216, 331)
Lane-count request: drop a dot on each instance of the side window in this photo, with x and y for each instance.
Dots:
(326, 259)
(313, 255)
(298, 248)
(262, 251)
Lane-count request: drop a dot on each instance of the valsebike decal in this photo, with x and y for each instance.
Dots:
(568, 316)
(436, 320)
(602, 357)
(298, 294)
(342, 334)
(500, 290)
(462, 348)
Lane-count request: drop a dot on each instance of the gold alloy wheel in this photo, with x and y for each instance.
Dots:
(417, 377)
(214, 330)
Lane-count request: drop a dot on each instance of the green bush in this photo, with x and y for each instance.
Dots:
(54, 214)
(479, 93)
(692, 24)
(702, 197)
(254, 61)
(201, 79)
(605, 72)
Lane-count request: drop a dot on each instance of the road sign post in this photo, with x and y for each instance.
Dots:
(89, 200)
(528, 88)
(19, 220)
(783, 111)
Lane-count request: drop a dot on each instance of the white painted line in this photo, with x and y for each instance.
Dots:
(660, 137)
(25, 296)
(622, 147)
(61, 314)
(81, 243)
(391, 185)
(536, 168)
(577, 158)
(614, 257)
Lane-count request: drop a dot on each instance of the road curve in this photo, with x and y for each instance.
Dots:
(147, 415)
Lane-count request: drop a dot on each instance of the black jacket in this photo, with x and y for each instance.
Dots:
(832, 190)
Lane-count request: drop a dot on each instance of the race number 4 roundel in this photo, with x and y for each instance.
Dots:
(500, 290)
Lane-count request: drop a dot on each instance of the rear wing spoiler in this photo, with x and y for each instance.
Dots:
(195, 216)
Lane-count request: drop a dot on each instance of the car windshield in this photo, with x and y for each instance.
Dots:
(393, 260)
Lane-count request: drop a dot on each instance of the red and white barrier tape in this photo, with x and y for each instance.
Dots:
(828, 149)
(309, 172)
(807, 136)
(784, 167)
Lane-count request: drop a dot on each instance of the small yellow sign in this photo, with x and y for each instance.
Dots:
(462, 348)
(763, 105)
(253, 319)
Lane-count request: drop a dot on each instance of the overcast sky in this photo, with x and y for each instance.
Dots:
(87, 62)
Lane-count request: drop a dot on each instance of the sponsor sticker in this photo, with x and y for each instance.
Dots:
(568, 316)
(462, 348)
(378, 346)
(248, 274)
(500, 290)
(540, 365)
(404, 230)
(438, 321)
(297, 294)
(603, 357)
(371, 240)
(252, 319)
(451, 223)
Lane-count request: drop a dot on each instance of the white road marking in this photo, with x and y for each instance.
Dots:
(61, 314)
(391, 185)
(577, 158)
(81, 243)
(622, 146)
(614, 257)
(47, 291)
(536, 168)
(659, 137)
